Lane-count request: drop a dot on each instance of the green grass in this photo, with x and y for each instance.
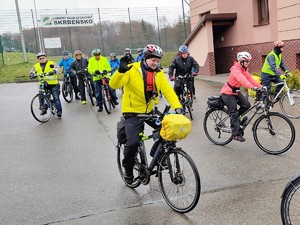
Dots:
(15, 69)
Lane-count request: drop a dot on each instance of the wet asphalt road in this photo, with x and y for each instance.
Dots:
(65, 172)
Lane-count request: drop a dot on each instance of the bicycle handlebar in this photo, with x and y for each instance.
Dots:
(186, 76)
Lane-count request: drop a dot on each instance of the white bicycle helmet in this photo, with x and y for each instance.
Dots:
(242, 56)
(152, 51)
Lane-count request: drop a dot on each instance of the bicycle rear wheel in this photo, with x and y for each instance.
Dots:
(106, 99)
(274, 133)
(217, 126)
(67, 91)
(180, 181)
(90, 92)
(120, 157)
(41, 108)
(292, 111)
(290, 203)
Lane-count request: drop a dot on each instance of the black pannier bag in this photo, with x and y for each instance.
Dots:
(215, 102)
(121, 135)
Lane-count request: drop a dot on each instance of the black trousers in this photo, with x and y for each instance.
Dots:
(231, 101)
(178, 86)
(133, 126)
(74, 84)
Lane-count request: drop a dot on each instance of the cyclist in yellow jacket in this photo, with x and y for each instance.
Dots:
(270, 72)
(98, 64)
(142, 81)
(51, 68)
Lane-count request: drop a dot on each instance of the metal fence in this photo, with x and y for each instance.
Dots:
(113, 29)
(1, 54)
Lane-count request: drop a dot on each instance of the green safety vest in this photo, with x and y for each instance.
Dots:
(53, 79)
(267, 68)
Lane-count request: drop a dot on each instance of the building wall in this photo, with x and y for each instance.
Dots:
(245, 34)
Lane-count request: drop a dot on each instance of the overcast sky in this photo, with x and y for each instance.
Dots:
(58, 4)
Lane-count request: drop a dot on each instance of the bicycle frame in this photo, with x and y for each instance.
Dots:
(288, 91)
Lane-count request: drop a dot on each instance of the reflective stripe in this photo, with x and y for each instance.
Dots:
(53, 79)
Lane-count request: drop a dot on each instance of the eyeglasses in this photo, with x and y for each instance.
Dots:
(42, 58)
(247, 61)
(97, 55)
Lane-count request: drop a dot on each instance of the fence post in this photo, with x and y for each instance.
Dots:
(70, 36)
(101, 33)
(130, 29)
(36, 42)
(158, 30)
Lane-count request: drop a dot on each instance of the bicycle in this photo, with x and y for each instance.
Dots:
(186, 96)
(67, 88)
(289, 100)
(178, 176)
(88, 85)
(107, 99)
(273, 132)
(290, 202)
(42, 105)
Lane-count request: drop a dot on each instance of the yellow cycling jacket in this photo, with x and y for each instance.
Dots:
(134, 100)
(101, 64)
(53, 79)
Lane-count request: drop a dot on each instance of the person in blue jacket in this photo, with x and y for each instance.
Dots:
(114, 62)
(140, 55)
(66, 62)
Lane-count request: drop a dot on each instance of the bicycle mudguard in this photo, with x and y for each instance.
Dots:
(291, 181)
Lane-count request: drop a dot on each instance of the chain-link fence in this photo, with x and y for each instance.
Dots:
(1, 53)
(112, 30)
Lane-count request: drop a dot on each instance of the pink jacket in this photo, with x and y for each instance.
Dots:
(239, 77)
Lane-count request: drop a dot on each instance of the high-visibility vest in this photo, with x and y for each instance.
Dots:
(267, 68)
(53, 79)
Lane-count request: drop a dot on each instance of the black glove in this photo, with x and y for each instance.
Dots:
(51, 73)
(255, 88)
(180, 111)
(32, 75)
(97, 72)
(124, 61)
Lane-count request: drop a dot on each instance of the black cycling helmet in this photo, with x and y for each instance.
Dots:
(38, 55)
(152, 51)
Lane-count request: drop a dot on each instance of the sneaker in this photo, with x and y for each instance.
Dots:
(128, 175)
(59, 115)
(239, 138)
(76, 97)
(116, 102)
(194, 97)
(100, 109)
(243, 121)
(83, 102)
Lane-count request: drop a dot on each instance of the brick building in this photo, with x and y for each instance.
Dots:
(221, 28)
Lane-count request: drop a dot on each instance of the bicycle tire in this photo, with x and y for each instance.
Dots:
(89, 90)
(120, 156)
(291, 111)
(290, 203)
(106, 101)
(279, 139)
(38, 103)
(217, 133)
(67, 91)
(181, 194)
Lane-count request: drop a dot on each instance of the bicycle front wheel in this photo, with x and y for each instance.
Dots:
(292, 111)
(67, 91)
(179, 181)
(290, 203)
(120, 157)
(41, 108)
(106, 100)
(90, 92)
(217, 126)
(274, 133)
